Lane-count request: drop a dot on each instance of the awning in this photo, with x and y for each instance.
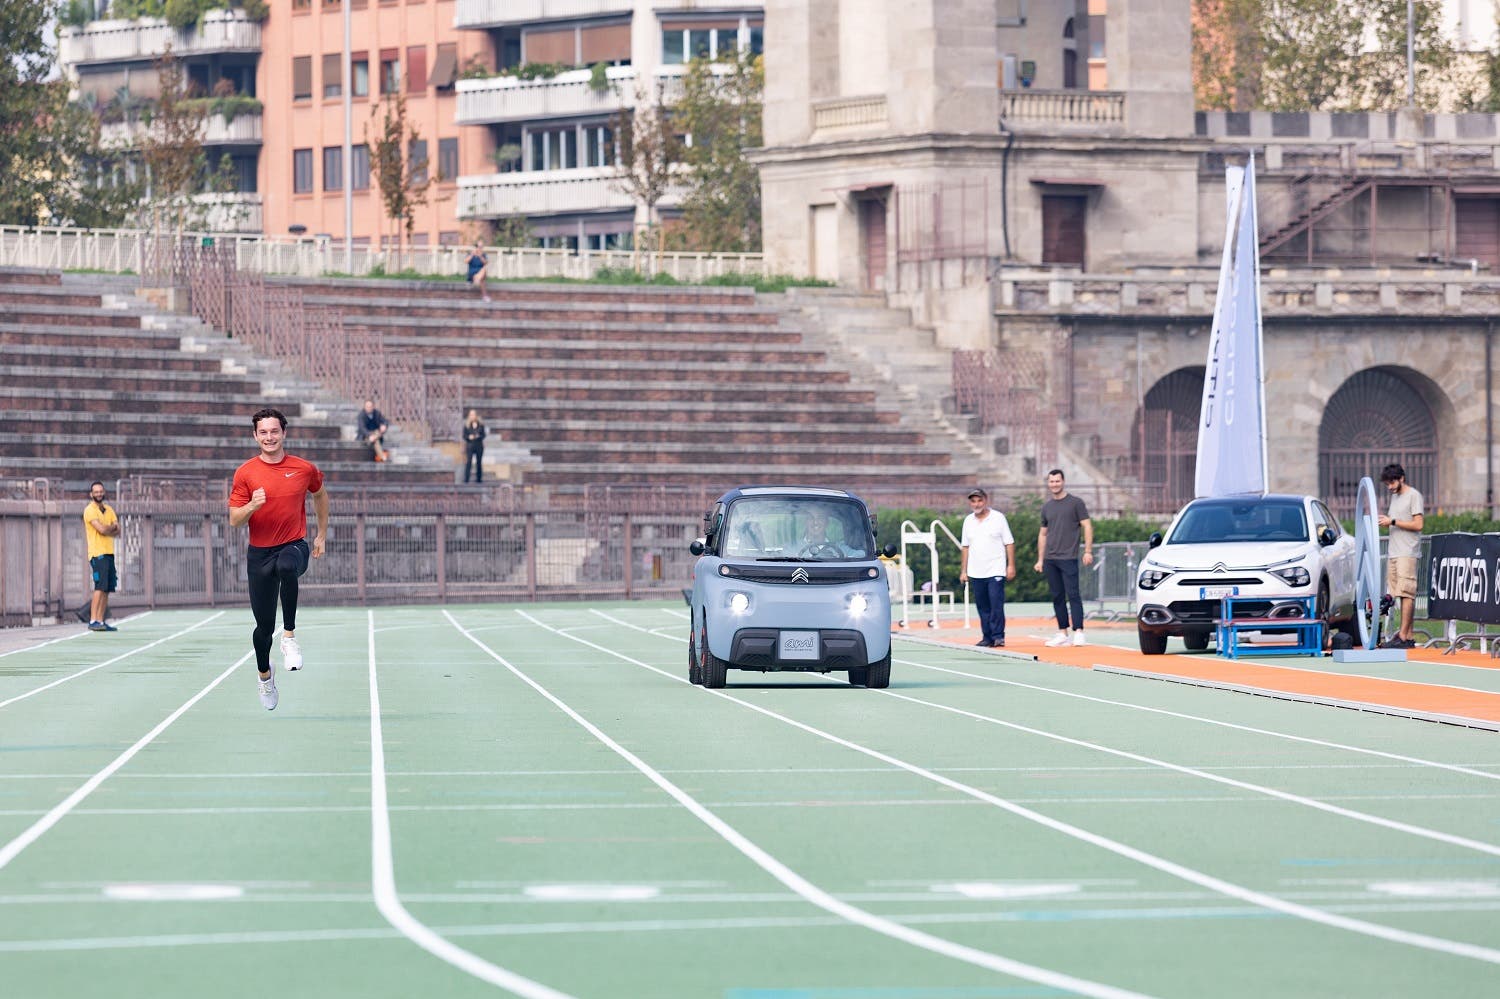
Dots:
(444, 69)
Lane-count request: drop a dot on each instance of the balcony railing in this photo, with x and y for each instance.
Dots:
(237, 212)
(243, 129)
(1062, 107)
(506, 98)
(147, 38)
(542, 192)
(848, 112)
(493, 13)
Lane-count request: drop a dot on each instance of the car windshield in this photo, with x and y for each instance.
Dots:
(797, 528)
(1220, 521)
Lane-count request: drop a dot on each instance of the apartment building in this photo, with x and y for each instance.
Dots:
(287, 144)
(562, 72)
(410, 47)
(113, 67)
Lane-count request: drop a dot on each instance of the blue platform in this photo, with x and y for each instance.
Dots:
(1306, 630)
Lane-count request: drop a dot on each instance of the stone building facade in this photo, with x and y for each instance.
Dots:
(1031, 179)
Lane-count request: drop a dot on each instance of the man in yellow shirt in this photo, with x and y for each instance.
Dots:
(101, 527)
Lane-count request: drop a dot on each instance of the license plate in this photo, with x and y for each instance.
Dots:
(1217, 592)
(798, 645)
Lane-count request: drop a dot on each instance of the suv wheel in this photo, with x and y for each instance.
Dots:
(713, 670)
(1151, 644)
(1196, 641)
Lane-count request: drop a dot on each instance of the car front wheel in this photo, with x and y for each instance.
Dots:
(695, 672)
(1196, 641)
(1152, 644)
(713, 670)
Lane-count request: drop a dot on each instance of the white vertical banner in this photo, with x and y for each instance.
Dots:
(1232, 424)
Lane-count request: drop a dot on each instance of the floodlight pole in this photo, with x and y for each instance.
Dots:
(1411, 53)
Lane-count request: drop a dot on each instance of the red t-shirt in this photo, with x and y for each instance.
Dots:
(283, 518)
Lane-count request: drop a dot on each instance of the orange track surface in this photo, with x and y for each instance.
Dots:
(1298, 676)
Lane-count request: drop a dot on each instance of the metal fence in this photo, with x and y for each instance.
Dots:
(130, 251)
(385, 545)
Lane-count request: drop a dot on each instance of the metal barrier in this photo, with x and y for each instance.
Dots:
(1110, 581)
(927, 539)
(385, 545)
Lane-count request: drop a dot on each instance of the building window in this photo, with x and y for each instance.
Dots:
(302, 171)
(598, 146)
(608, 43)
(359, 74)
(683, 41)
(416, 69)
(333, 75)
(447, 159)
(333, 168)
(416, 163)
(359, 168)
(449, 237)
(390, 71)
(554, 149)
(302, 78)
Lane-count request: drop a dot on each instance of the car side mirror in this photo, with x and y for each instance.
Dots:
(1154, 540)
(1325, 536)
(697, 547)
(890, 551)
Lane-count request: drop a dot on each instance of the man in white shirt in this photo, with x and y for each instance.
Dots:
(987, 555)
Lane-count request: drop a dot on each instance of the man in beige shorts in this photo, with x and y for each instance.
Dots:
(1402, 548)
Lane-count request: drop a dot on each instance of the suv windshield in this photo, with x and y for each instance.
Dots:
(803, 528)
(1227, 520)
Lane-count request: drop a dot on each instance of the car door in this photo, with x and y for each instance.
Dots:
(1338, 560)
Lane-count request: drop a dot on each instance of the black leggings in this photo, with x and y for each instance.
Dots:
(474, 460)
(273, 573)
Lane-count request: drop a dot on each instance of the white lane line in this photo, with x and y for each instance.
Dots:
(683, 615)
(1181, 871)
(1419, 761)
(34, 832)
(811, 801)
(383, 870)
(69, 638)
(658, 925)
(110, 662)
(1424, 832)
(811, 892)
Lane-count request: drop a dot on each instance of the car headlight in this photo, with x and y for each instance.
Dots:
(858, 604)
(1150, 579)
(1292, 575)
(739, 603)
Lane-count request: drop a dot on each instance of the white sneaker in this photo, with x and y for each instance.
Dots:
(1078, 638)
(291, 653)
(268, 695)
(1058, 640)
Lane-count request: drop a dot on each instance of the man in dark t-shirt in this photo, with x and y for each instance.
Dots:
(1064, 519)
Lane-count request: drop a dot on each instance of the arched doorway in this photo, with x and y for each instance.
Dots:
(1375, 418)
(1165, 438)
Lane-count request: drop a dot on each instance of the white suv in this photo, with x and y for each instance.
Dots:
(1270, 547)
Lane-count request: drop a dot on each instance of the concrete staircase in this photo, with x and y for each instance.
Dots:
(883, 348)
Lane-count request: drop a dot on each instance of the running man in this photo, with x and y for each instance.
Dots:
(269, 494)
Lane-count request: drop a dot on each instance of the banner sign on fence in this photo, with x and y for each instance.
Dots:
(1463, 583)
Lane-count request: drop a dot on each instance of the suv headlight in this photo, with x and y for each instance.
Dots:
(1292, 575)
(1150, 579)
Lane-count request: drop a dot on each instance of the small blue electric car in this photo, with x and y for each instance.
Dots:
(789, 578)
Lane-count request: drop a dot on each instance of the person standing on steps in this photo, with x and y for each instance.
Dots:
(270, 495)
(474, 434)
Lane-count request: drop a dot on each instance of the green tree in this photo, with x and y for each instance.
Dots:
(646, 147)
(721, 108)
(1226, 54)
(172, 151)
(47, 145)
(404, 185)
